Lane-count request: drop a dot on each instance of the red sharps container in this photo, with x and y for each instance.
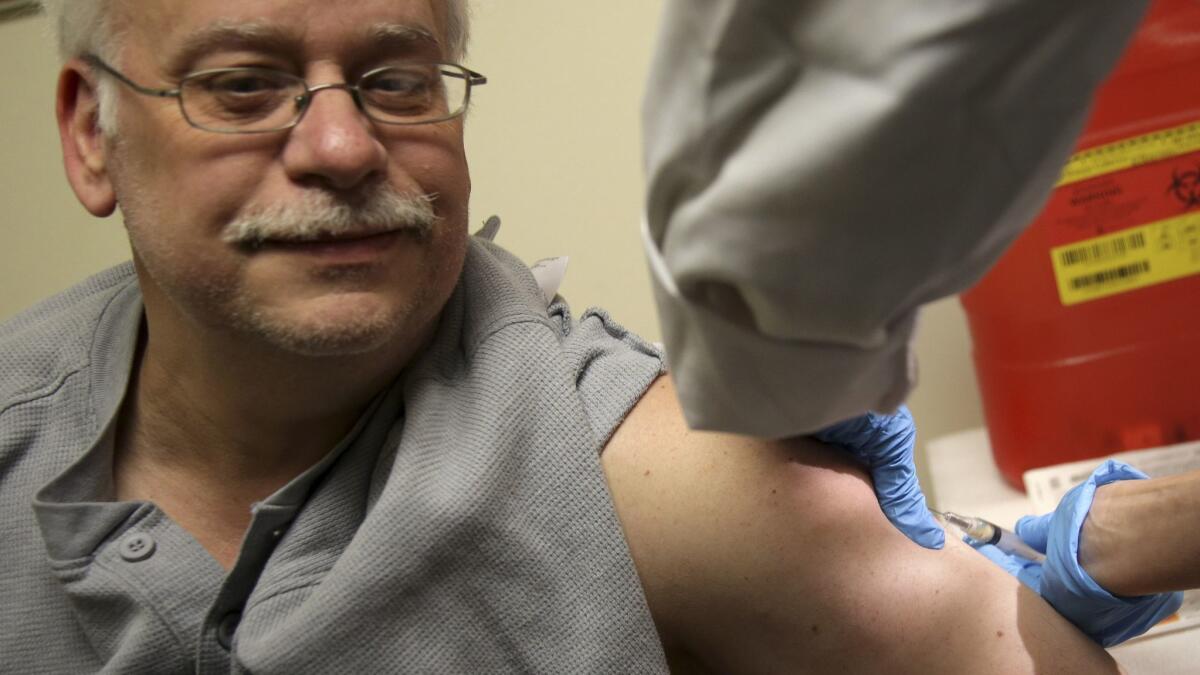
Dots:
(1086, 334)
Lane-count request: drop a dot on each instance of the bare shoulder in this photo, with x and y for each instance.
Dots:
(773, 556)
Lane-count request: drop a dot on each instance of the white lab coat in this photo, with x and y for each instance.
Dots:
(817, 170)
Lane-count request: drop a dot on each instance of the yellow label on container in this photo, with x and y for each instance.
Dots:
(1131, 152)
(1128, 260)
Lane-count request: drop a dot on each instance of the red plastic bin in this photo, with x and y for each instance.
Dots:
(1086, 334)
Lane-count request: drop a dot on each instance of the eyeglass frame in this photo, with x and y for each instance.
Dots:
(303, 101)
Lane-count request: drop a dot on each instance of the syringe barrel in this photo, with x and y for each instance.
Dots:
(981, 530)
(1009, 542)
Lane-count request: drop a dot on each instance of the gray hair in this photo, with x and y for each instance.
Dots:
(458, 28)
(82, 27)
(85, 26)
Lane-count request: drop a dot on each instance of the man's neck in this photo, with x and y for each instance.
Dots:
(204, 433)
(257, 415)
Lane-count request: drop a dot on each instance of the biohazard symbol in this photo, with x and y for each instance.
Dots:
(1186, 187)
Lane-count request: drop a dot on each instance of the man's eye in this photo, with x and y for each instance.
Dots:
(243, 84)
(400, 84)
(222, 98)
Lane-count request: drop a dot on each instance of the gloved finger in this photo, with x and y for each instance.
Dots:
(891, 438)
(994, 554)
(1167, 604)
(1009, 563)
(1026, 571)
(873, 437)
(894, 473)
(903, 503)
(1035, 530)
(884, 443)
(1031, 575)
(1146, 614)
(853, 435)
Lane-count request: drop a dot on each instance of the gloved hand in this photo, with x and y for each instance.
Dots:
(884, 443)
(1062, 581)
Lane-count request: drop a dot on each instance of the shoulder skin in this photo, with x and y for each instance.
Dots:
(773, 556)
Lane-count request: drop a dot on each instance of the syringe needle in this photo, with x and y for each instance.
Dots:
(984, 532)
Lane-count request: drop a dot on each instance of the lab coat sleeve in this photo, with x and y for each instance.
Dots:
(817, 170)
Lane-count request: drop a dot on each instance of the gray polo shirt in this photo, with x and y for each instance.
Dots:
(464, 525)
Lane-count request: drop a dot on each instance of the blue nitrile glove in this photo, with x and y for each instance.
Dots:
(884, 443)
(1062, 581)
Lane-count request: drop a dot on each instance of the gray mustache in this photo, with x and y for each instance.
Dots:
(320, 215)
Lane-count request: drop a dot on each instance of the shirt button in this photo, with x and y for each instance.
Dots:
(227, 627)
(137, 547)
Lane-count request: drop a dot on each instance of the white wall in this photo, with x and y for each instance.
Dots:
(553, 141)
(48, 240)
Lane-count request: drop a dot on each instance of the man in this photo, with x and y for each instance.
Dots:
(314, 427)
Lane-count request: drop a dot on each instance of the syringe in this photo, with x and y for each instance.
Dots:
(984, 532)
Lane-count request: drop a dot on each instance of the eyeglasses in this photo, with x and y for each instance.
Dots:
(259, 100)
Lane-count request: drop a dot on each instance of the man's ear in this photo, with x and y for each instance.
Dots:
(85, 155)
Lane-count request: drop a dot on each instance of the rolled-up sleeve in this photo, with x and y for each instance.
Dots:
(818, 170)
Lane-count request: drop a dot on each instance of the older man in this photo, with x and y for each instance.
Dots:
(315, 427)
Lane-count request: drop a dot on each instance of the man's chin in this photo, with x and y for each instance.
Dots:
(347, 331)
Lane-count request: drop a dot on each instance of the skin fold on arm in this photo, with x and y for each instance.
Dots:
(773, 556)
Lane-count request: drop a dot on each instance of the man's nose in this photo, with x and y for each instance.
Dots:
(335, 142)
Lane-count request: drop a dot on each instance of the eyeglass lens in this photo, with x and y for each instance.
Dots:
(254, 99)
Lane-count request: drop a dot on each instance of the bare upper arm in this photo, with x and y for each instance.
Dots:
(761, 556)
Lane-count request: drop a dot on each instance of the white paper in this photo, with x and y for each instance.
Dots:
(549, 273)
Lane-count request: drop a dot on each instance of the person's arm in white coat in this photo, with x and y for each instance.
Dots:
(817, 170)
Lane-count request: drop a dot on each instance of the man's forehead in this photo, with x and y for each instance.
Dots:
(195, 25)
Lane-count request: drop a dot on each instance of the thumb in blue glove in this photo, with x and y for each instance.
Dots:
(1026, 571)
(1062, 581)
(884, 444)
